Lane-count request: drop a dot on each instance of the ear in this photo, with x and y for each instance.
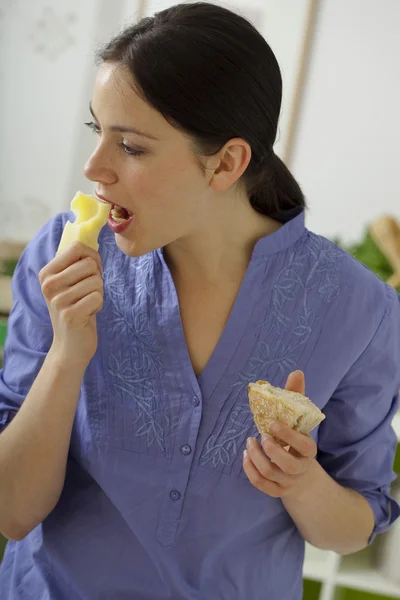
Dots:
(229, 164)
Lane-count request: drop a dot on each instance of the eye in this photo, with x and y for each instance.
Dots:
(130, 151)
(94, 127)
(125, 148)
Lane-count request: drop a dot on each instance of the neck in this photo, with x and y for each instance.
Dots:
(222, 249)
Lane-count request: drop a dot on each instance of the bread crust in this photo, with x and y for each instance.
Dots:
(269, 403)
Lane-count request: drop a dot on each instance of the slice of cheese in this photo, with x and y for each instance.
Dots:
(91, 216)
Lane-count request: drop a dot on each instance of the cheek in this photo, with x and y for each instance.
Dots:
(148, 176)
(166, 187)
(170, 185)
(182, 181)
(138, 177)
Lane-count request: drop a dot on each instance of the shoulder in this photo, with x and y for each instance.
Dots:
(42, 248)
(356, 277)
(362, 299)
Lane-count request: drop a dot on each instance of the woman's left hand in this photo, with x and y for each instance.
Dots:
(277, 471)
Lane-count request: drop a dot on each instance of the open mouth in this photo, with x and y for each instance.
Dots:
(119, 214)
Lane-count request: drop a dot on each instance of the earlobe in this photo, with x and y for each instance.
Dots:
(234, 158)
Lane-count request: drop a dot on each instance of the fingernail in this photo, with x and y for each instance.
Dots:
(266, 437)
(244, 453)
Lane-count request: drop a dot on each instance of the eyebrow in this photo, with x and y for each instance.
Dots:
(121, 129)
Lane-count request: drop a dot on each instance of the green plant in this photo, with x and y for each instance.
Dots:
(3, 543)
(368, 253)
(350, 594)
(7, 266)
(311, 589)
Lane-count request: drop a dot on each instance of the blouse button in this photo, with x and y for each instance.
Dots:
(196, 401)
(186, 449)
(174, 495)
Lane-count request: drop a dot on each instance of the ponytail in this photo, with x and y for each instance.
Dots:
(272, 188)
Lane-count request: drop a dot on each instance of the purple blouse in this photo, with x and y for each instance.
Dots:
(156, 504)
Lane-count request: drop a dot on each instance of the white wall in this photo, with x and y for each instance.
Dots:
(42, 53)
(347, 154)
(46, 75)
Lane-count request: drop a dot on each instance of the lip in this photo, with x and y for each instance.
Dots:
(119, 227)
(104, 199)
(100, 197)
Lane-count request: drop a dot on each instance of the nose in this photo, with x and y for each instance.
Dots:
(96, 169)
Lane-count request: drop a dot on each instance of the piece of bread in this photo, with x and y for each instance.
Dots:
(269, 403)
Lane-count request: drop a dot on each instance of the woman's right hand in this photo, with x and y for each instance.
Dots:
(73, 289)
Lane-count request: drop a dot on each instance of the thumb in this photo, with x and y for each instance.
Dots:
(296, 382)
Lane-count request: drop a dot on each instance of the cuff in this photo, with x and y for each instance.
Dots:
(386, 510)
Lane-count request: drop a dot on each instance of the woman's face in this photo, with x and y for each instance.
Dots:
(153, 172)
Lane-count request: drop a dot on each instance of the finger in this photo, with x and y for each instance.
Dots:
(268, 487)
(76, 272)
(75, 293)
(264, 485)
(86, 307)
(71, 275)
(296, 382)
(287, 462)
(263, 464)
(300, 442)
(75, 252)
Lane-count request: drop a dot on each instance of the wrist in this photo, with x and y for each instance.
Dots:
(63, 363)
(307, 483)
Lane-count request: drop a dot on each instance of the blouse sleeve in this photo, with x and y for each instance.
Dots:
(29, 329)
(356, 441)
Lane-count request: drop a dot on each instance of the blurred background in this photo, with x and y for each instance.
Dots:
(339, 134)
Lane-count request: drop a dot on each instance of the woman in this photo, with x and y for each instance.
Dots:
(124, 390)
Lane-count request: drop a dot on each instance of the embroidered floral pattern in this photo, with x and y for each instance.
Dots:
(289, 324)
(137, 418)
(135, 370)
(150, 422)
(220, 450)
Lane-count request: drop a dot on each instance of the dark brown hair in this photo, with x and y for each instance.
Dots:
(211, 74)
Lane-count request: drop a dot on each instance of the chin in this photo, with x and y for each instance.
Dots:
(132, 248)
